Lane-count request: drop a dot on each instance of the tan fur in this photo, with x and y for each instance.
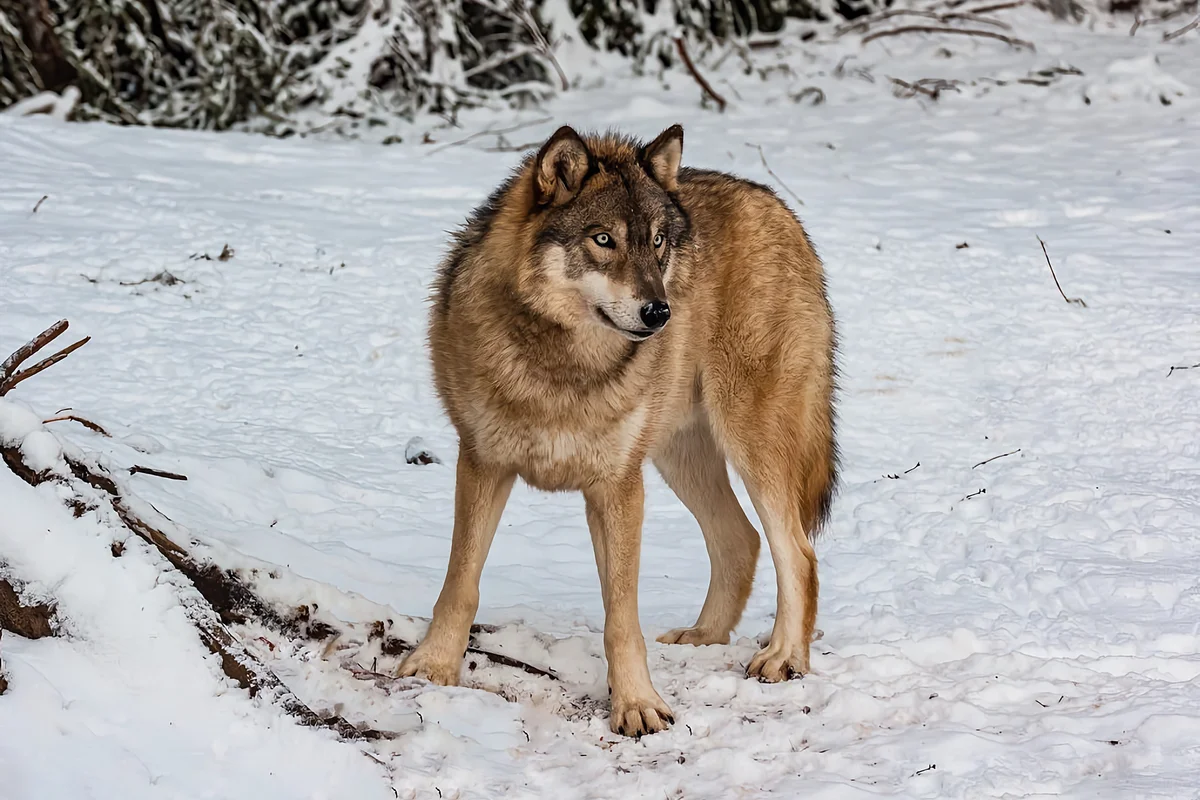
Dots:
(542, 385)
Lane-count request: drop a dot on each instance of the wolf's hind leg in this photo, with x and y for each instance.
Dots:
(787, 654)
(694, 467)
(480, 494)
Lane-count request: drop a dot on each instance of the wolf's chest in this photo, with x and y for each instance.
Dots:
(556, 454)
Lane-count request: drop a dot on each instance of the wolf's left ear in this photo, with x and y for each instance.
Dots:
(661, 157)
(560, 168)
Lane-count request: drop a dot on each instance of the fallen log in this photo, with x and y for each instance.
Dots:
(223, 597)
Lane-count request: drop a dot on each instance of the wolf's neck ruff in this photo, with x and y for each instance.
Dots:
(578, 357)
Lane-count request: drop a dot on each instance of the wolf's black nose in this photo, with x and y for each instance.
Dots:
(655, 314)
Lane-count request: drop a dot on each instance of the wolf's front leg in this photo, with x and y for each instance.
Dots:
(614, 513)
(480, 494)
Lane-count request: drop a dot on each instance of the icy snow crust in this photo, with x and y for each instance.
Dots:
(1025, 625)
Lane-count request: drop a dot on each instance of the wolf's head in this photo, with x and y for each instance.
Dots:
(608, 229)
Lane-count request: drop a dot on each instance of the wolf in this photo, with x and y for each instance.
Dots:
(604, 307)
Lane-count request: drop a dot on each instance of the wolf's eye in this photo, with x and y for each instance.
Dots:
(603, 239)
(658, 240)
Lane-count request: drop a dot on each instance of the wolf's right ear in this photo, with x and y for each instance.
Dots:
(561, 165)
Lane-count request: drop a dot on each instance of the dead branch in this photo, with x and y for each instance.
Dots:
(489, 132)
(1075, 300)
(166, 278)
(867, 21)
(509, 661)
(512, 148)
(25, 351)
(38, 204)
(996, 7)
(993, 458)
(87, 423)
(226, 599)
(1191, 26)
(1190, 366)
(1009, 40)
(771, 172)
(930, 87)
(968, 15)
(9, 377)
(158, 473)
(704, 84)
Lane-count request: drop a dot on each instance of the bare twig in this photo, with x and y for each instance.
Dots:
(38, 204)
(512, 148)
(993, 458)
(923, 771)
(1191, 26)
(704, 84)
(9, 377)
(166, 278)
(1190, 366)
(868, 21)
(771, 172)
(87, 423)
(969, 15)
(930, 87)
(489, 132)
(508, 661)
(137, 469)
(996, 7)
(910, 469)
(1076, 300)
(975, 494)
(1009, 40)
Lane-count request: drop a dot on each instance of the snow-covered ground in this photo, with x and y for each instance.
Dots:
(1028, 625)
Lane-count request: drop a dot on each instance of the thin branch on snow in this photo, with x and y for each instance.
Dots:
(87, 423)
(489, 132)
(1075, 300)
(771, 172)
(38, 204)
(1191, 26)
(1009, 40)
(704, 84)
(1190, 366)
(930, 87)
(158, 473)
(971, 15)
(993, 458)
(996, 7)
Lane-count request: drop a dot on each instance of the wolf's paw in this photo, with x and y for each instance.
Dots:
(775, 663)
(639, 714)
(430, 665)
(696, 635)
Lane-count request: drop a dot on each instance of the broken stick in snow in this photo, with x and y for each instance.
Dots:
(1072, 300)
(10, 377)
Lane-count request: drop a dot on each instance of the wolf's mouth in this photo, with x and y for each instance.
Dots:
(634, 336)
